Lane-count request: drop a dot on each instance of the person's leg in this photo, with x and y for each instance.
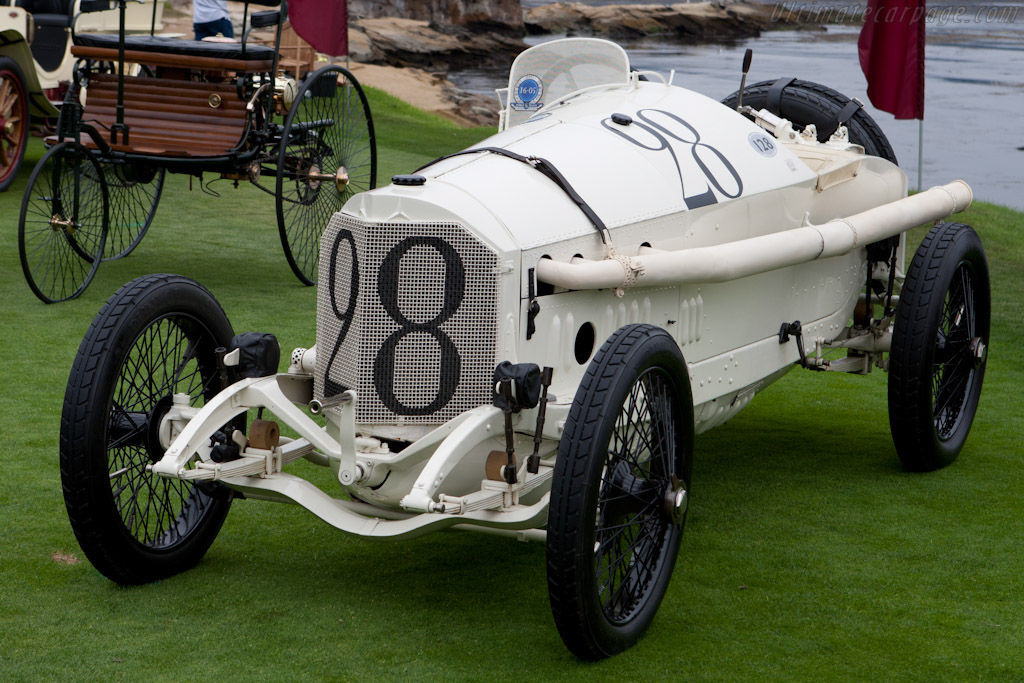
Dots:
(212, 28)
(226, 29)
(205, 29)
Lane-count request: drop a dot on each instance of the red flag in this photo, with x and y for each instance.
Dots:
(891, 50)
(321, 23)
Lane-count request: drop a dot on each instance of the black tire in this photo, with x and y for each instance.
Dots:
(615, 506)
(328, 130)
(805, 102)
(13, 120)
(134, 191)
(939, 348)
(154, 337)
(61, 232)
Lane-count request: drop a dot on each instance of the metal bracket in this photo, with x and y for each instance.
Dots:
(534, 307)
(193, 441)
(795, 330)
(480, 424)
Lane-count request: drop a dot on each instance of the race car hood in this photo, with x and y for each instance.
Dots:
(631, 153)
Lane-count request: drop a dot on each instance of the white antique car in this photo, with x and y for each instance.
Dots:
(36, 65)
(525, 336)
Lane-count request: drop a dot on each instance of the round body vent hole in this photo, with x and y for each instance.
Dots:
(584, 343)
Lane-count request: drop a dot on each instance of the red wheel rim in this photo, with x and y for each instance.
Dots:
(13, 118)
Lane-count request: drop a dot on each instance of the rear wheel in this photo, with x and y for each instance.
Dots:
(154, 338)
(328, 153)
(13, 120)
(620, 492)
(939, 347)
(63, 223)
(134, 191)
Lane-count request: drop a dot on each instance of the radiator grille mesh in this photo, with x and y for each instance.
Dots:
(407, 316)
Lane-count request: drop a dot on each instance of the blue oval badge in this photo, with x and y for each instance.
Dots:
(527, 93)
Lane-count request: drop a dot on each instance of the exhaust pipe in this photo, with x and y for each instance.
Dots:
(733, 260)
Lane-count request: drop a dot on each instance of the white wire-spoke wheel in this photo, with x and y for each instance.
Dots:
(154, 338)
(620, 492)
(939, 347)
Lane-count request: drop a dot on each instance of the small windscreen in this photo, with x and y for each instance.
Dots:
(550, 71)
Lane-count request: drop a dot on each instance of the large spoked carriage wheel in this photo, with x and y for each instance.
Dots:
(939, 347)
(134, 191)
(63, 224)
(805, 102)
(328, 153)
(13, 120)
(154, 338)
(620, 492)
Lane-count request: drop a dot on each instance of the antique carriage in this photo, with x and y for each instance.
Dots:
(140, 106)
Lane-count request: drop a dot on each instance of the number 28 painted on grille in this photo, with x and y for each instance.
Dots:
(450, 365)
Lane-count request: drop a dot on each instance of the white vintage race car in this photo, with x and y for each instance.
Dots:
(525, 336)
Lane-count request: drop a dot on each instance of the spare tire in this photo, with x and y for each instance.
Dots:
(804, 102)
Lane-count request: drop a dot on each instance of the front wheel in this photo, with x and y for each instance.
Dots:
(939, 347)
(63, 224)
(156, 337)
(620, 492)
(328, 153)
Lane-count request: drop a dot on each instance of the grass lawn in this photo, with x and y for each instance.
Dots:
(809, 554)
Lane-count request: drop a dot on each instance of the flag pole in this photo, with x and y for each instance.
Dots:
(891, 49)
(920, 151)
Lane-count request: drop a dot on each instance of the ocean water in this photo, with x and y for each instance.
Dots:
(974, 87)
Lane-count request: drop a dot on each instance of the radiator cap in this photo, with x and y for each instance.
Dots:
(409, 180)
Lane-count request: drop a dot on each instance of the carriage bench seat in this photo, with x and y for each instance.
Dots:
(168, 117)
(174, 52)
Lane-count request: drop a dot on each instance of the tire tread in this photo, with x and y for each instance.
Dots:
(864, 130)
(910, 400)
(570, 485)
(83, 497)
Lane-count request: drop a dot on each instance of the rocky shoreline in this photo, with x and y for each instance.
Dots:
(432, 48)
(436, 45)
(682, 22)
(411, 42)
